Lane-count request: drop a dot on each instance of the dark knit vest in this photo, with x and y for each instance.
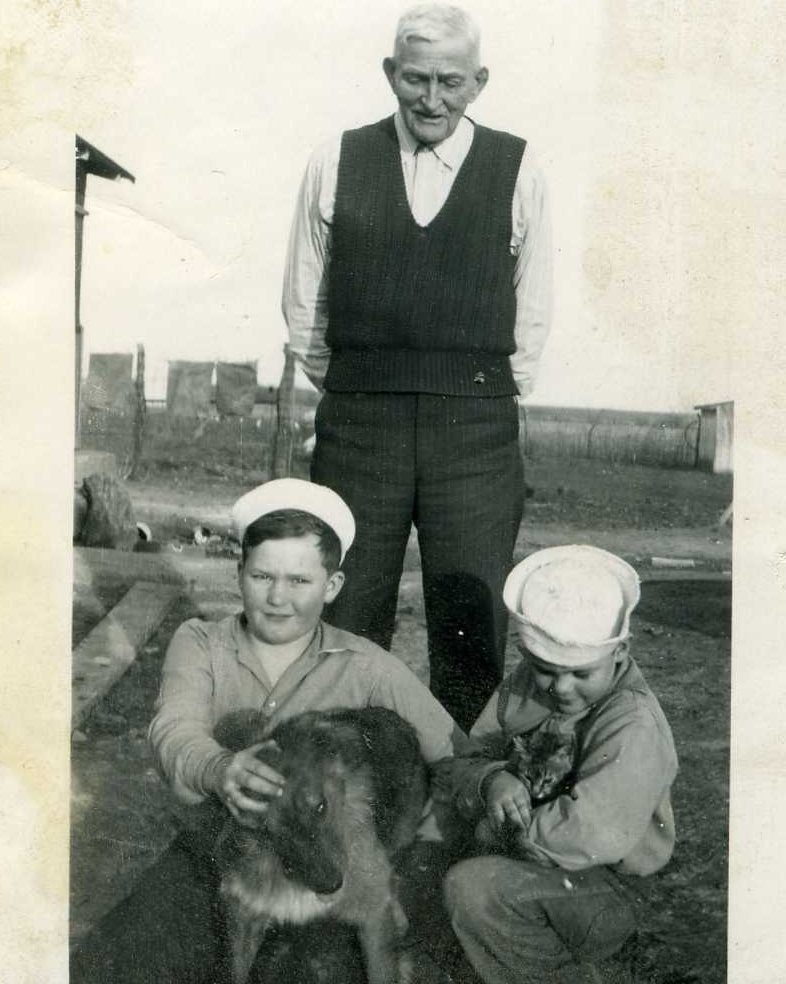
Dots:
(422, 310)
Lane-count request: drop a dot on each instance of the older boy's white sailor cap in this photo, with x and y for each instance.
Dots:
(295, 493)
(572, 604)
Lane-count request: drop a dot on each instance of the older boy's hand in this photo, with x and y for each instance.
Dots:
(507, 800)
(246, 785)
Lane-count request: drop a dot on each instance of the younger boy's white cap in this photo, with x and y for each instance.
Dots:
(572, 604)
(295, 493)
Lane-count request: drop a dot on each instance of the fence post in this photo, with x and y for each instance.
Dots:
(285, 419)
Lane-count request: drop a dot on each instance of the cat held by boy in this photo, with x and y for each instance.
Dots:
(353, 797)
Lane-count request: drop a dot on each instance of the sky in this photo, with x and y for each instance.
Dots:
(643, 120)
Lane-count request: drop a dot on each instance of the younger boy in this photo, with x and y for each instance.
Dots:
(569, 777)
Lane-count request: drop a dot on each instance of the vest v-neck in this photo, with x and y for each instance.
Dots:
(402, 189)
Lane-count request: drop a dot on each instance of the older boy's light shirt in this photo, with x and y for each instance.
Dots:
(619, 809)
(428, 178)
(210, 671)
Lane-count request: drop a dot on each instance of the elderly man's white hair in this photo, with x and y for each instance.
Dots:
(435, 21)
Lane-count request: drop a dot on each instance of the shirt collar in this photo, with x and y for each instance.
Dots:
(333, 640)
(327, 639)
(451, 151)
(293, 673)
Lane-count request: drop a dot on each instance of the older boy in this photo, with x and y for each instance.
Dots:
(569, 779)
(275, 657)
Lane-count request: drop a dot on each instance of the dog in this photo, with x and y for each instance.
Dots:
(354, 793)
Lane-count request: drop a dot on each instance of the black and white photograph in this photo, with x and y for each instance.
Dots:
(395, 500)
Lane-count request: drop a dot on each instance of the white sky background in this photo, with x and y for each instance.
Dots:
(641, 116)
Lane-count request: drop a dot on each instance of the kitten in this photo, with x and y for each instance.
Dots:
(543, 760)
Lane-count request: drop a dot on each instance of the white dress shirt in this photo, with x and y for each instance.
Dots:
(429, 174)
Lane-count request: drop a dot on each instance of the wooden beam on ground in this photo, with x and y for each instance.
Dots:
(682, 575)
(112, 646)
(726, 515)
(182, 567)
(209, 583)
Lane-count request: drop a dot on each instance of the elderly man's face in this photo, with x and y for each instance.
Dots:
(434, 82)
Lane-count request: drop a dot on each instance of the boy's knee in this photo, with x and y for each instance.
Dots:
(455, 887)
(468, 889)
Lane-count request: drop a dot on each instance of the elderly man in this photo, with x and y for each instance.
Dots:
(417, 294)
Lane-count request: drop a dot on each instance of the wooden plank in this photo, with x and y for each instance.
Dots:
(110, 648)
(181, 567)
(683, 575)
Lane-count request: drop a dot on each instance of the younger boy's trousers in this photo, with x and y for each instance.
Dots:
(519, 922)
(452, 466)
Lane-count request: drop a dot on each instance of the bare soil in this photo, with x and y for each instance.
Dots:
(121, 815)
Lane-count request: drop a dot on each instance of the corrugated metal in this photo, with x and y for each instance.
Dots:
(611, 435)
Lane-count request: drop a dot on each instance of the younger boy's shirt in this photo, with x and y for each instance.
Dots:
(614, 766)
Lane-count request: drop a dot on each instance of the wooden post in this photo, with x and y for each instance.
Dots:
(281, 466)
(140, 409)
(89, 160)
(79, 221)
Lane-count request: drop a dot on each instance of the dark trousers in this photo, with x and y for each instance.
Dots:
(451, 465)
(521, 923)
(167, 930)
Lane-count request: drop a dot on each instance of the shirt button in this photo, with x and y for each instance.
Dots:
(480, 378)
(271, 703)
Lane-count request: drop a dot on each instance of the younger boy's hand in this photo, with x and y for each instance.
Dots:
(507, 800)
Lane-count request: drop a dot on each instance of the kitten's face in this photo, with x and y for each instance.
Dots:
(544, 761)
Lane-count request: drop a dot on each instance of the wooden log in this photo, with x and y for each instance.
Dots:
(111, 647)
(109, 520)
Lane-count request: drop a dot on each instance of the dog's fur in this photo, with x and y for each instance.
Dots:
(355, 788)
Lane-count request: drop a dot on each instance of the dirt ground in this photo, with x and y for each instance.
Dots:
(121, 813)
